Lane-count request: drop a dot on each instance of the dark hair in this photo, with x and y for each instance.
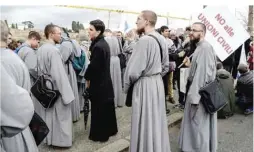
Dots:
(163, 28)
(188, 28)
(34, 34)
(98, 25)
(219, 66)
(176, 41)
(202, 25)
(158, 30)
(49, 29)
(181, 37)
(13, 45)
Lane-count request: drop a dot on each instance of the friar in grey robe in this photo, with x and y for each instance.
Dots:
(149, 130)
(128, 48)
(17, 70)
(27, 52)
(70, 48)
(59, 117)
(28, 55)
(199, 129)
(15, 115)
(131, 39)
(115, 69)
(81, 79)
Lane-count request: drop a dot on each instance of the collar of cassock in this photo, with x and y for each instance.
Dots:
(99, 37)
(50, 41)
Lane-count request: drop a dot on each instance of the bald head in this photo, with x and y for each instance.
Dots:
(4, 32)
(150, 16)
(202, 26)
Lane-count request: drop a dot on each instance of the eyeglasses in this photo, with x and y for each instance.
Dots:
(193, 30)
(58, 33)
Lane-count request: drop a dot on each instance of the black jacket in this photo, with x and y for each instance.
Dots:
(98, 71)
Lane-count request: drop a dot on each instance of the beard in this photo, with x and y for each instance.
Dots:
(141, 31)
(194, 41)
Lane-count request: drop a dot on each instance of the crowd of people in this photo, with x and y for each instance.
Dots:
(144, 63)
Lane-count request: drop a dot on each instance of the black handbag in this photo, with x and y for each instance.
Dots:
(212, 97)
(47, 97)
(38, 128)
(128, 101)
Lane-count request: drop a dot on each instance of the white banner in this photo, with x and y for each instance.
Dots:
(223, 31)
(184, 73)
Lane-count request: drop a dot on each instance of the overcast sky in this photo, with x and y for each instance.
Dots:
(43, 15)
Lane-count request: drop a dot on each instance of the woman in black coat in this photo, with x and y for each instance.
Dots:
(100, 88)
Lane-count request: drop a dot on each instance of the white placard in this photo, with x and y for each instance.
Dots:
(223, 31)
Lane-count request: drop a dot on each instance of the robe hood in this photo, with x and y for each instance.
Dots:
(77, 50)
(223, 74)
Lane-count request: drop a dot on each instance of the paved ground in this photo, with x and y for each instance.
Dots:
(83, 144)
(234, 134)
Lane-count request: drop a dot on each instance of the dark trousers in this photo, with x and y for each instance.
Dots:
(243, 104)
(165, 83)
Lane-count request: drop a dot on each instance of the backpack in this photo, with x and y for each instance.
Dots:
(19, 48)
(77, 62)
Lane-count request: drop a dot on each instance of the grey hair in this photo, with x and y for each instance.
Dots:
(4, 31)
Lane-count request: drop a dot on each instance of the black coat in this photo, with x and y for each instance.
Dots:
(98, 71)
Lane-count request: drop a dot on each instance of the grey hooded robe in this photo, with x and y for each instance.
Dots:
(115, 70)
(17, 70)
(67, 50)
(59, 117)
(149, 130)
(199, 129)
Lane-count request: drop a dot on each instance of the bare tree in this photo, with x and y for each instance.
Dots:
(247, 21)
(250, 20)
(242, 18)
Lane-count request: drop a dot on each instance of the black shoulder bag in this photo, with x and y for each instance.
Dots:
(128, 101)
(38, 128)
(212, 97)
(46, 96)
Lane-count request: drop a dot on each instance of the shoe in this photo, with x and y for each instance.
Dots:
(223, 117)
(248, 111)
(181, 106)
(171, 100)
(176, 106)
(167, 111)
